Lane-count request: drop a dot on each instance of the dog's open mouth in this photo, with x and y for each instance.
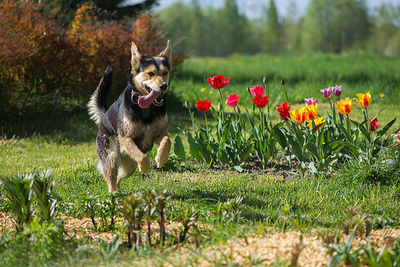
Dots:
(153, 97)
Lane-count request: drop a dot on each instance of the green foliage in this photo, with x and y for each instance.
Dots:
(365, 255)
(39, 244)
(336, 25)
(382, 171)
(357, 222)
(273, 32)
(102, 206)
(328, 26)
(229, 145)
(30, 196)
(45, 199)
(17, 190)
(179, 149)
(386, 257)
(344, 253)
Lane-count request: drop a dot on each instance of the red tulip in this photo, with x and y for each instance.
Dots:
(218, 81)
(260, 101)
(373, 124)
(257, 90)
(232, 100)
(283, 110)
(204, 105)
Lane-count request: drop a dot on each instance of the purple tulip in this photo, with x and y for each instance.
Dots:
(326, 92)
(337, 90)
(310, 101)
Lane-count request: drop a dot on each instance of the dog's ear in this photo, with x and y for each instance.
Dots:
(164, 53)
(135, 57)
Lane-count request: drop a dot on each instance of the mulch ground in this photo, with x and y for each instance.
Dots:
(265, 249)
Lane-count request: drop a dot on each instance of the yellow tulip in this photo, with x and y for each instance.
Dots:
(364, 99)
(312, 112)
(344, 106)
(316, 121)
(298, 115)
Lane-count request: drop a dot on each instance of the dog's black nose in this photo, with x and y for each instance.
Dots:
(163, 87)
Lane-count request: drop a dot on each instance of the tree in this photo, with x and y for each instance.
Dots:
(273, 33)
(175, 22)
(230, 27)
(197, 31)
(67, 7)
(386, 32)
(335, 25)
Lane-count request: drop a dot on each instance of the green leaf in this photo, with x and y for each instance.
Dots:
(238, 168)
(179, 149)
(365, 131)
(280, 137)
(295, 148)
(193, 147)
(214, 113)
(386, 127)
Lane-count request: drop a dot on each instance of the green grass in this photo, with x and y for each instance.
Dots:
(65, 143)
(305, 75)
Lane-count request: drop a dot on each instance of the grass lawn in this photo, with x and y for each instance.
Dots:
(271, 203)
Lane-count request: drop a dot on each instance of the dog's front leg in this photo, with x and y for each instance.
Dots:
(131, 148)
(163, 150)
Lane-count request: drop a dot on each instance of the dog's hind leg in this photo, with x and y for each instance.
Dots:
(163, 150)
(126, 168)
(107, 151)
(108, 169)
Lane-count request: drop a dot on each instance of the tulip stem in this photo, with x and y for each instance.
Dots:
(205, 118)
(286, 95)
(222, 103)
(348, 124)
(333, 111)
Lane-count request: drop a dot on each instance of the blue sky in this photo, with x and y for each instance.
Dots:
(252, 7)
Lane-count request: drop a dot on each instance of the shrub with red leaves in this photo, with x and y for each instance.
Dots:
(40, 58)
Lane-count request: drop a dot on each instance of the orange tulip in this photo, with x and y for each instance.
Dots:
(344, 106)
(317, 121)
(298, 115)
(312, 112)
(364, 99)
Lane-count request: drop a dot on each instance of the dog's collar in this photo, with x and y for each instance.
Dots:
(135, 97)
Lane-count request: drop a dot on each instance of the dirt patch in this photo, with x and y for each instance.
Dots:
(265, 249)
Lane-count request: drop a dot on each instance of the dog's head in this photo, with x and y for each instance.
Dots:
(150, 75)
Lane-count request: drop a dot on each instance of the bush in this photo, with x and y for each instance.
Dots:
(97, 44)
(40, 60)
(32, 48)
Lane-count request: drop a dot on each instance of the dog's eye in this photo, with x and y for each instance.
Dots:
(151, 74)
(165, 73)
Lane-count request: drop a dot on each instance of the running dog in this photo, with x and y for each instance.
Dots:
(135, 121)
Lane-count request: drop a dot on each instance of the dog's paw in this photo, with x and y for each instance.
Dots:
(162, 156)
(160, 160)
(144, 164)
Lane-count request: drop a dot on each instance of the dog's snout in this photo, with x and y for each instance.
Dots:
(163, 87)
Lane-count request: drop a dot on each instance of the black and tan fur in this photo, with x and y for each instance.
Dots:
(126, 131)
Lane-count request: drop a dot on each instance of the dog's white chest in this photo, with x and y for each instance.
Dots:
(145, 134)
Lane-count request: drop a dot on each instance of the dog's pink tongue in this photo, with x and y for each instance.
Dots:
(147, 100)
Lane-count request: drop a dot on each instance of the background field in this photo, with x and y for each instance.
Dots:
(52, 55)
(64, 141)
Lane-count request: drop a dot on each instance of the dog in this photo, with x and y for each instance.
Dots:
(135, 121)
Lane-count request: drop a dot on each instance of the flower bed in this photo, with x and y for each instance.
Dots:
(310, 141)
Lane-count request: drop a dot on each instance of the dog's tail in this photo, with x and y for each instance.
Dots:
(98, 101)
